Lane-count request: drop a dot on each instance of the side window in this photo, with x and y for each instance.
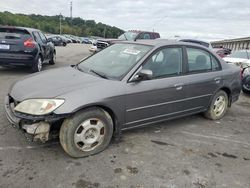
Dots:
(37, 37)
(198, 60)
(165, 62)
(44, 39)
(146, 36)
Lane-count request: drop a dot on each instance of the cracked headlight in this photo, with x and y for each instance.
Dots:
(38, 106)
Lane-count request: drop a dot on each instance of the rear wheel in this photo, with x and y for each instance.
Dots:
(52, 59)
(87, 133)
(218, 106)
(37, 65)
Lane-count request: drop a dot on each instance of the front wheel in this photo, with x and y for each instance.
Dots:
(86, 133)
(218, 106)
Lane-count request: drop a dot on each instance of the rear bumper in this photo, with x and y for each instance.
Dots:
(8, 59)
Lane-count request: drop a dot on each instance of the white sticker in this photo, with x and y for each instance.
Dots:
(131, 51)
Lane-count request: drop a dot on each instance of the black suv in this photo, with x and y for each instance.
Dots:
(21, 46)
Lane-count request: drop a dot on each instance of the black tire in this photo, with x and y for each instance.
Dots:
(71, 126)
(37, 65)
(246, 84)
(210, 113)
(64, 44)
(52, 59)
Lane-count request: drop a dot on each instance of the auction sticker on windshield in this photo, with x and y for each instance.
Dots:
(131, 51)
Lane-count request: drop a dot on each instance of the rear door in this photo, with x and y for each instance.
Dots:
(203, 77)
(42, 42)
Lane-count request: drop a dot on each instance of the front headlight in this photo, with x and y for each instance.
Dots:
(38, 106)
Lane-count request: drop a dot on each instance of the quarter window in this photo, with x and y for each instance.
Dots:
(165, 62)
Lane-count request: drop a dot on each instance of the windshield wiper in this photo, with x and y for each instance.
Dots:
(98, 74)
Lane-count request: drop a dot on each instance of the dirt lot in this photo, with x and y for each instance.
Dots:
(188, 152)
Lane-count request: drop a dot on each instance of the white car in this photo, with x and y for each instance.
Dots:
(240, 58)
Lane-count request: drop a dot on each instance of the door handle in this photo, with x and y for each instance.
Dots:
(217, 80)
(178, 86)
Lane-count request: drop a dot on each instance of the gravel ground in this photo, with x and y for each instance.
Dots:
(190, 152)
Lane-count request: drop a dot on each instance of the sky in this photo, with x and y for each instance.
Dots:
(208, 19)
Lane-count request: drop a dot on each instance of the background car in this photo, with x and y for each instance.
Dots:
(195, 41)
(57, 40)
(86, 40)
(131, 35)
(222, 52)
(28, 47)
(240, 58)
(246, 80)
(148, 81)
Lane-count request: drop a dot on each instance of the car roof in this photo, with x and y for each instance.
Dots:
(162, 42)
(21, 28)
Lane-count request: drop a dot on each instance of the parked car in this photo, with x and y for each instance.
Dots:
(195, 41)
(222, 52)
(240, 58)
(86, 40)
(131, 35)
(57, 40)
(74, 40)
(29, 47)
(246, 80)
(127, 85)
(66, 39)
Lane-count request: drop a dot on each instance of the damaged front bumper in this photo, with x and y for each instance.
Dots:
(36, 128)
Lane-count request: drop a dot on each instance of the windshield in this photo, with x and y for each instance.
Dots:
(128, 36)
(240, 54)
(115, 61)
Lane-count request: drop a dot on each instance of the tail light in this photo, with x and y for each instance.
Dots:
(29, 43)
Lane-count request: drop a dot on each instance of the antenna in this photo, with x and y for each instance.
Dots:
(71, 4)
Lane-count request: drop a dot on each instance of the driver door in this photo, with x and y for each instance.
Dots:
(159, 98)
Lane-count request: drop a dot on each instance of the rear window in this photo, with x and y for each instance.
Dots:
(9, 33)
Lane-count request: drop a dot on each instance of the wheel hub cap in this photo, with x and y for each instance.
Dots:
(219, 105)
(89, 134)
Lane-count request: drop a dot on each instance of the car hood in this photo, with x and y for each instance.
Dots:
(52, 83)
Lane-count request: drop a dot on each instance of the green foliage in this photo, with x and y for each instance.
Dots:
(51, 24)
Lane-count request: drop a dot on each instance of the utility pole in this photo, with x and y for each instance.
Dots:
(60, 23)
(71, 5)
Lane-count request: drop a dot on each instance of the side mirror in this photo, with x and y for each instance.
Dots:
(144, 74)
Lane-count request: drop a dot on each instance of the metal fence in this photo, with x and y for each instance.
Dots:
(233, 44)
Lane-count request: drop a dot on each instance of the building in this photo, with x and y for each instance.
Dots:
(233, 44)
